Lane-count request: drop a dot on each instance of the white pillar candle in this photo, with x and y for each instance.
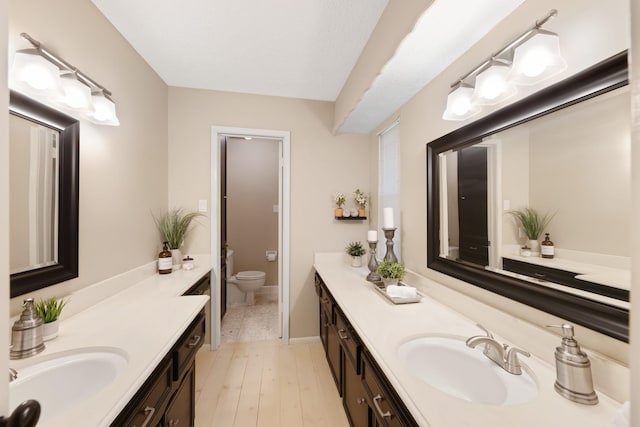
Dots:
(372, 236)
(388, 218)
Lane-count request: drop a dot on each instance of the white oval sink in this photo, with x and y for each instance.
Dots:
(447, 364)
(65, 379)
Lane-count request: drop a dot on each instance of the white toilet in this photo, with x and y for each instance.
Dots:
(247, 281)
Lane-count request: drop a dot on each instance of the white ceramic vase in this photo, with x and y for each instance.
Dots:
(176, 259)
(534, 246)
(389, 282)
(50, 330)
(356, 261)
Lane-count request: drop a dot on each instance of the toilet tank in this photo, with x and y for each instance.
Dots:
(229, 263)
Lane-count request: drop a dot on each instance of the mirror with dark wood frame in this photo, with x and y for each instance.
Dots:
(61, 218)
(582, 299)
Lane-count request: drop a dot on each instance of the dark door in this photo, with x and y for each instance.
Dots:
(472, 205)
(223, 226)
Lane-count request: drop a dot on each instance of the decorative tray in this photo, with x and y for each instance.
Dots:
(379, 286)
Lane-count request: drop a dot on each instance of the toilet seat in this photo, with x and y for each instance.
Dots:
(250, 275)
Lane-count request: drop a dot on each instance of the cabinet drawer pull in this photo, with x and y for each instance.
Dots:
(342, 334)
(377, 405)
(325, 300)
(149, 411)
(539, 275)
(173, 423)
(361, 401)
(196, 340)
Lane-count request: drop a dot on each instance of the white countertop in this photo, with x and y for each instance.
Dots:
(383, 326)
(145, 321)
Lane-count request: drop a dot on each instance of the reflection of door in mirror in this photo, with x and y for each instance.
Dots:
(34, 198)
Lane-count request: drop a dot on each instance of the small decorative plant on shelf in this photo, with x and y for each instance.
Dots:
(49, 311)
(361, 200)
(339, 200)
(174, 226)
(391, 272)
(356, 250)
(533, 224)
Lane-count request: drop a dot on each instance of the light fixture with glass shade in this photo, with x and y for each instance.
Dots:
(537, 59)
(459, 103)
(528, 59)
(40, 73)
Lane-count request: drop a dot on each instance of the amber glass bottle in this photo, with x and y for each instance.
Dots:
(547, 249)
(164, 259)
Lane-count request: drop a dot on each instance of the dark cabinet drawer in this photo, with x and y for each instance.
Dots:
(182, 409)
(187, 347)
(349, 340)
(201, 286)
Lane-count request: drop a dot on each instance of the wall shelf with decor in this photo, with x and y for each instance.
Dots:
(351, 218)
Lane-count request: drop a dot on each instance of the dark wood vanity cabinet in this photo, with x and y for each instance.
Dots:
(367, 397)
(167, 398)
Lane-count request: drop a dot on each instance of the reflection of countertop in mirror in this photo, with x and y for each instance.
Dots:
(383, 327)
(609, 276)
(144, 320)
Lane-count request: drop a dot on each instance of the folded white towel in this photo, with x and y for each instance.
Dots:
(396, 291)
(623, 416)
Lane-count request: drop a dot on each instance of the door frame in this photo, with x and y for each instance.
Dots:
(283, 224)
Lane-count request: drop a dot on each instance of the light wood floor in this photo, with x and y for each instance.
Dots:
(266, 384)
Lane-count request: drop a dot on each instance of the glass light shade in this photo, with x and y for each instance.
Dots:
(460, 105)
(33, 73)
(493, 85)
(77, 95)
(104, 109)
(537, 59)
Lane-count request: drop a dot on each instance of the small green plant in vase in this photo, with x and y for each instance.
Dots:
(532, 223)
(361, 200)
(174, 226)
(339, 200)
(49, 311)
(391, 272)
(356, 250)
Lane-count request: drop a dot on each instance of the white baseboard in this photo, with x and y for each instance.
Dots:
(304, 340)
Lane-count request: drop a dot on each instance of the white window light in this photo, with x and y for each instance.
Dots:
(460, 105)
(537, 59)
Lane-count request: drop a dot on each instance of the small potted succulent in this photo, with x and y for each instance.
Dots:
(340, 200)
(356, 250)
(361, 200)
(391, 272)
(49, 311)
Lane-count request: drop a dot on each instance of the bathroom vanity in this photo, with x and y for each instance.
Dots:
(364, 335)
(155, 331)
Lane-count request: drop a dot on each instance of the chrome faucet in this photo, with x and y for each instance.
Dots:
(13, 374)
(504, 356)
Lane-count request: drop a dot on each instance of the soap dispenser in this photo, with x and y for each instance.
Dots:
(26, 334)
(573, 369)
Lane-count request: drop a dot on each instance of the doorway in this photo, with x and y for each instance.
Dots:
(221, 137)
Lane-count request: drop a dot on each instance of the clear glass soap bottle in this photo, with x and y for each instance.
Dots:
(164, 259)
(547, 249)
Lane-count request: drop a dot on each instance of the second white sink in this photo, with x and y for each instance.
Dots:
(447, 364)
(66, 379)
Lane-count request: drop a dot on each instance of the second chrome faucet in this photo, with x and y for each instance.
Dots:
(504, 356)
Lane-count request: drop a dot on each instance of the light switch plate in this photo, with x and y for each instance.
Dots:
(202, 205)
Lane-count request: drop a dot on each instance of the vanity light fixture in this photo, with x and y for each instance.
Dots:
(528, 59)
(40, 73)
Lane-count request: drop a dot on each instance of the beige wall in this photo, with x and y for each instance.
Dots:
(580, 24)
(321, 164)
(252, 192)
(514, 146)
(123, 170)
(4, 207)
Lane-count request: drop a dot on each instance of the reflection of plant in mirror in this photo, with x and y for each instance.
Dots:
(174, 226)
(532, 222)
(49, 309)
(390, 270)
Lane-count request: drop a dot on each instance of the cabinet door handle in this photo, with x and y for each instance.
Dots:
(173, 423)
(473, 248)
(325, 300)
(539, 275)
(377, 405)
(196, 340)
(342, 334)
(361, 401)
(149, 411)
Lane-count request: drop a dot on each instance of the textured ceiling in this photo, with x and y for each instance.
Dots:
(291, 48)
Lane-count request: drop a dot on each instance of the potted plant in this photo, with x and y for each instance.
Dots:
(356, 250)
(391, 272)
(174, 227)
(49, 311)
(533, 224)
(361, 200)
(340, 200)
